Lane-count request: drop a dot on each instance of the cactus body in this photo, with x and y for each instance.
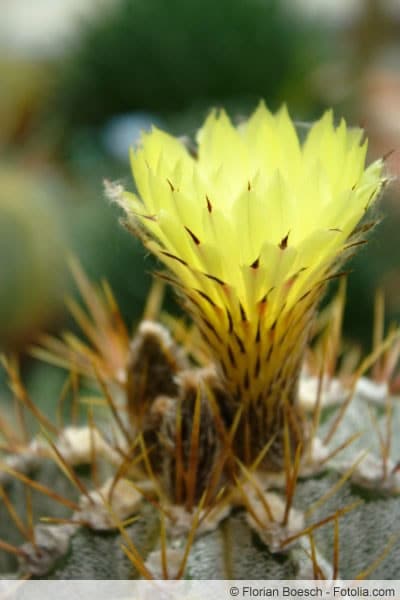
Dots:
(251, 445)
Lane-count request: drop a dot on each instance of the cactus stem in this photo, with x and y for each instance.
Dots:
(11, 549)
(291, 476)
(337, 486)
(22, 396)
(365, 365)
(311, 528)
(317, 571)
(25, 532)
(191, 536)
(365, 573)
(39, 487)
(336, 548)
(352, 438)
(67, 469)
(111, 404)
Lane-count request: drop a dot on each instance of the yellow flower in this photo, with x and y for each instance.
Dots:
(250, 229)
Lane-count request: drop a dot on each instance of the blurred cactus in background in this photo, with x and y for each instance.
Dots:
(33, 244)
(144, 63)
(25, 87)
(167, 58)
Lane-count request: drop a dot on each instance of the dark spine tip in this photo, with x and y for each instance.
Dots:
(254, 265)
(240, 344)
(206, 297)
(230, 321)
(216, 279)
(388, 154)
(242, 312)
(177, 258)
(231, 357)
(193, 236)
(258, 334)
(284, 242)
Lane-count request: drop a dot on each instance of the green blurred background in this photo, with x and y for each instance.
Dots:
(79, 79)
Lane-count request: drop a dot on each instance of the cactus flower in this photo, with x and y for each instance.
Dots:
(251, 226)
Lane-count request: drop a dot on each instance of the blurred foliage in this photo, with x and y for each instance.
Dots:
(43, 219)
(32, 243)
(108, 252)
(25, 86)
(166, 57)
(171, 60)
(376, 266)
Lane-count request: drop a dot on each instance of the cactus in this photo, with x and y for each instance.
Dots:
(250, 444)
(247, 51)
(32, 277)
